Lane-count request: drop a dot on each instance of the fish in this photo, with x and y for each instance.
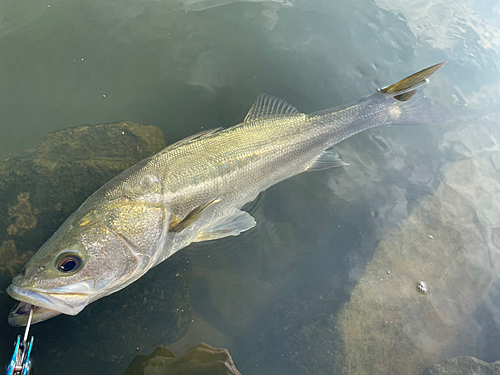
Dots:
(194, 190)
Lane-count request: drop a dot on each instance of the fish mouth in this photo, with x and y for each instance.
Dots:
(57, 302)
(19, 315)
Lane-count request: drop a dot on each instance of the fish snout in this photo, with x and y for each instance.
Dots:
(69, 303)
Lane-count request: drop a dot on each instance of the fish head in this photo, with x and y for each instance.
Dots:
(85, 259)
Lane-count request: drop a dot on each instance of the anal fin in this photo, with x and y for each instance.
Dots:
(328, 159)
(232, 225)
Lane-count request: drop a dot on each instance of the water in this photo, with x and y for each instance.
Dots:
(327, 281)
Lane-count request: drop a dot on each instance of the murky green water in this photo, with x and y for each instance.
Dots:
(327, 281)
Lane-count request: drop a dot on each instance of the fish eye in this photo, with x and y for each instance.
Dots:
(69, 263)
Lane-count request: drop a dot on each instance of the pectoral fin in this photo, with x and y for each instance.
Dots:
(328, 159)
(177, 226)
(232, 225)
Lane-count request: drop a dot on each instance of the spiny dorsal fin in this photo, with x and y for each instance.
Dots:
(266, 106)
(201, 134)
(406, 88)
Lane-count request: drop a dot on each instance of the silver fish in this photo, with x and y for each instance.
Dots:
(193, 191)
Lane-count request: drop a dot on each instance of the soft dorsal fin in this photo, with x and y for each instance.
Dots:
(266, 106)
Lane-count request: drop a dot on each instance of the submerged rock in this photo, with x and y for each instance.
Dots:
(38, 191)
(464, 366)
(11, 261)
(388, 325)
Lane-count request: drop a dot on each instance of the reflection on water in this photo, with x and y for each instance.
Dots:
(328, 278)
(200, 359)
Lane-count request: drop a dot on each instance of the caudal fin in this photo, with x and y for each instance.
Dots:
(407, 87)
(411, 109)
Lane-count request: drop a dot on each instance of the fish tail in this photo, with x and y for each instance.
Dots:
(412, 108)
